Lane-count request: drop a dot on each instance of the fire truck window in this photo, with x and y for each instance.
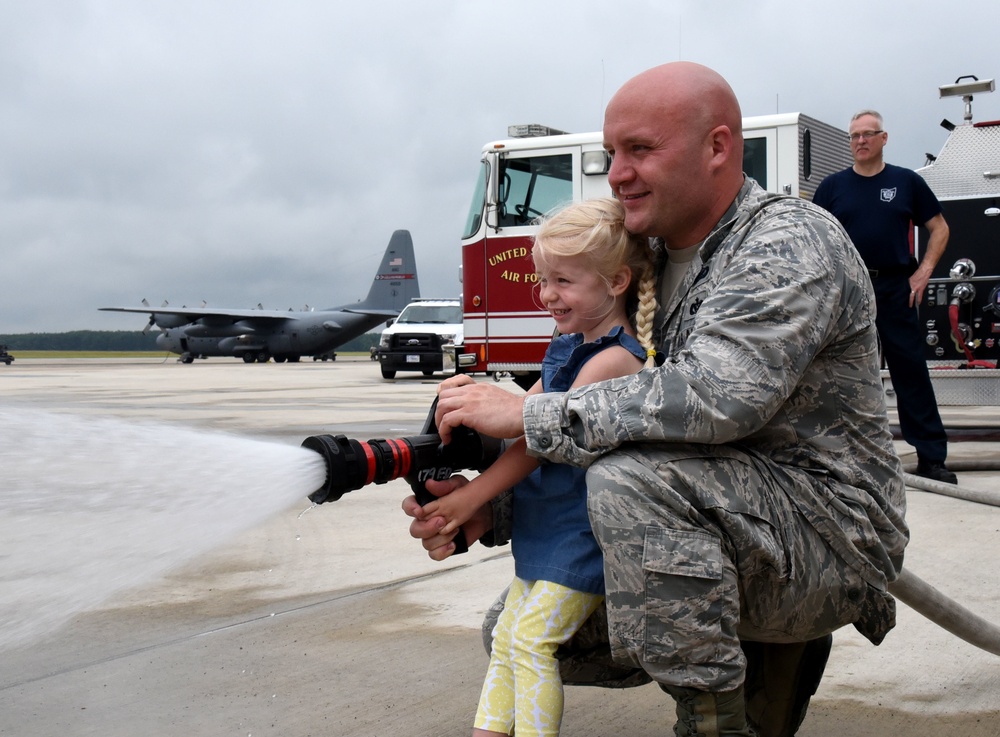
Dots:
(475, 218)
(755, 159)
(533, 186)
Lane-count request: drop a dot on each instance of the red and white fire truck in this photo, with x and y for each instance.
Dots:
(537, 169)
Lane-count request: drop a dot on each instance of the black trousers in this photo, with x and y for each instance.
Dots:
(902, 345)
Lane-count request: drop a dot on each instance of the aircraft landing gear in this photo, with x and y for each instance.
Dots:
(186, 358)
(256, 356)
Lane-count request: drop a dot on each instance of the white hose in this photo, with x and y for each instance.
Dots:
(945, 611)
(927, 600)
(959, 492)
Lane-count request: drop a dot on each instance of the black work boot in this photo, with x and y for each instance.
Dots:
(935, 471)
(780, 680)
(706, 714)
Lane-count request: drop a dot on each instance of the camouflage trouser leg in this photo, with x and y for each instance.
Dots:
(703, 547)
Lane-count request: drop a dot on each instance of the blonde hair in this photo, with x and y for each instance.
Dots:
(595, 229)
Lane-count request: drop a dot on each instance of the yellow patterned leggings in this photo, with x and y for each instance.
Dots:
(523, 685)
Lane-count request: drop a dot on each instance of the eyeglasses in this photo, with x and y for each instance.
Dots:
(864, 136)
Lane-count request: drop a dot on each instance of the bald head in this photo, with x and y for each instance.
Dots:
(676, 134)
(700, 93)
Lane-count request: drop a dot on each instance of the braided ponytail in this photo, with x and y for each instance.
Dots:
(641, 263)
(645, 312)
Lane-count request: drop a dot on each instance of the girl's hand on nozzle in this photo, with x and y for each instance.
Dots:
(449, 508)
(455, 509)
(427, 527)
(427, 531)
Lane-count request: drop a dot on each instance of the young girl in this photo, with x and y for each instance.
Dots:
(589, 271)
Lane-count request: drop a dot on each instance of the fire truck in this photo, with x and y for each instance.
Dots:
(537, 169)
(960, 311)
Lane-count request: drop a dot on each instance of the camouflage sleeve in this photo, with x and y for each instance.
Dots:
(765, 304)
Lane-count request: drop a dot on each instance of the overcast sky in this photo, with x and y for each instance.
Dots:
(247, 152)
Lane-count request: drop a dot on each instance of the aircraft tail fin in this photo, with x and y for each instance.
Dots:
(395, 283)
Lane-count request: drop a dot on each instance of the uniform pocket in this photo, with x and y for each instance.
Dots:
(685, 590)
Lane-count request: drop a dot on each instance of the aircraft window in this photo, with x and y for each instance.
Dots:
(531, 187)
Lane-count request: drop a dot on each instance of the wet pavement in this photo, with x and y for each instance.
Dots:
(333, 622)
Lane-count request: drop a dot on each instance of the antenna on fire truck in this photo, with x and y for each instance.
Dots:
(966, 90)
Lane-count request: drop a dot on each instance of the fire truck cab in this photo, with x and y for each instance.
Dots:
(537, 169)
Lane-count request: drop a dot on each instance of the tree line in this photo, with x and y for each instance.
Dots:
(120, 340)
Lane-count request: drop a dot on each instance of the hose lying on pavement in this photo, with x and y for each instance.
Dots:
(927, 600)
(945, 612)
(959, 492)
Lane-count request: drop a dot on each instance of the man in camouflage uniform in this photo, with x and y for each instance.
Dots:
(745, 492)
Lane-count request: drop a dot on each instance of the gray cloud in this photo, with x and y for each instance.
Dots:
(245, 152)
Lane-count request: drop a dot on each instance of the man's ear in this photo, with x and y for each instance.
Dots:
(721, 141)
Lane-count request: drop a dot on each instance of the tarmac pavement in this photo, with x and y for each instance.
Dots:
(334, 622)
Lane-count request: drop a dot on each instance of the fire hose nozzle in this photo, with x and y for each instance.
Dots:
(352, 464)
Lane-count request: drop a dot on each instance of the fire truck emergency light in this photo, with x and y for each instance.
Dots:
(960, 88)
(532, 130)
(966, 90)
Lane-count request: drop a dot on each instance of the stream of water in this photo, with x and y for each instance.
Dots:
(90, 506)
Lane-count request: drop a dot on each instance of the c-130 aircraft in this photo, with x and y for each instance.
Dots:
(257, 335)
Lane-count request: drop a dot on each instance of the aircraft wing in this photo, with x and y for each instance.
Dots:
(373, 313)
(198, 313)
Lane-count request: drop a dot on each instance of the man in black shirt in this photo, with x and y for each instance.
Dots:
(877, 203)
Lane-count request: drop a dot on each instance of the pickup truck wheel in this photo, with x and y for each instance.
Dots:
(388, 373)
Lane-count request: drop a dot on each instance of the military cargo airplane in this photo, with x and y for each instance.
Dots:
(259, 334)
